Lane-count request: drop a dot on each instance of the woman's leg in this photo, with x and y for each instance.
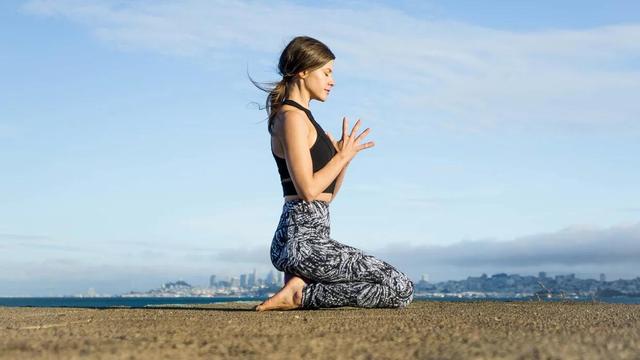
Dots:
(336, 274)
(342, 275)
(288, 276)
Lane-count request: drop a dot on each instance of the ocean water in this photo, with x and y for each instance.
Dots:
(141, 302)
(107, 302)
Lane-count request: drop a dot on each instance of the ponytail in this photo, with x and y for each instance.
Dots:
(277, 93)
(274, 100)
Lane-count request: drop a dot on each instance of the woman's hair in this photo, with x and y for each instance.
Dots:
(302, 53)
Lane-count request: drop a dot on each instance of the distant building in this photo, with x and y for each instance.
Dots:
(243, 281)
(212, 281)
(251, 281)
(234, 282)
(542, 275)
(178, 285)
(270, 280)
(603, 278)
(424, 278)
(565, 277)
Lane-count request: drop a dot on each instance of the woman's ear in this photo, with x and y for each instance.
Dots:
(303, 74)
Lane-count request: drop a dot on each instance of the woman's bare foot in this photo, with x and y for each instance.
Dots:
(288, 298)
(289, 276)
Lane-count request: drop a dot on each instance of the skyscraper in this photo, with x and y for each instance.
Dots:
(243, 281)
(212, 281)
(251, 281)
(270, 280)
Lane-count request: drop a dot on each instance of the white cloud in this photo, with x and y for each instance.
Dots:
(577, 248)
(12, 243)
(460, 75)
(581, 247)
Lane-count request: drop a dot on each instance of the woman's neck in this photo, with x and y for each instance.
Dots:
(299, 95)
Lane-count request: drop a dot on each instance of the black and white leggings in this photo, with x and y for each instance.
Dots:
(339, 275)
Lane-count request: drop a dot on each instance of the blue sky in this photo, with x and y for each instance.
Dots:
(133, 152)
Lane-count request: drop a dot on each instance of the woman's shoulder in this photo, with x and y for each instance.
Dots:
(290, 117)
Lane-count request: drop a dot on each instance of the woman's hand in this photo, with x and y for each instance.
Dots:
(349, 145)
(336, 144)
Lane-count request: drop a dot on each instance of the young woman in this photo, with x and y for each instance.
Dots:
(320, 272)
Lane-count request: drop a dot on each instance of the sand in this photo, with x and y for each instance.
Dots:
(424, 330)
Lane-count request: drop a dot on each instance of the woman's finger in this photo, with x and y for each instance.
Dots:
(345, 127)
(363, 134)
(355, 128)
(366, 145)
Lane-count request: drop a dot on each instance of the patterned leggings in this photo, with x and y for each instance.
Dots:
(339, 275)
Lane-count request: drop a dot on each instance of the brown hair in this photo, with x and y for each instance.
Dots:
(302, 53)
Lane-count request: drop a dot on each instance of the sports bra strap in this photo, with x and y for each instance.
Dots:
(295, 104)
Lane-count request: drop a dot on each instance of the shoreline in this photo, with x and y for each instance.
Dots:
(145, 302)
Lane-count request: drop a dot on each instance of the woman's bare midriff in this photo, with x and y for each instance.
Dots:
(323, 197)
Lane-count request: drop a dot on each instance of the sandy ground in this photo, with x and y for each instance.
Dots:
(424, 330)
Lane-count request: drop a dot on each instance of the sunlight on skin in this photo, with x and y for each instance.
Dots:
(288, 298)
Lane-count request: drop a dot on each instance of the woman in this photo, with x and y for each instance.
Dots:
(319, 271)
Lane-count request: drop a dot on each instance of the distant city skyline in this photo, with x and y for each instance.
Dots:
(274, 277)
(483, 285)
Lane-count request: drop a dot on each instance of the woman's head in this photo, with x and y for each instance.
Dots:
(306, 64)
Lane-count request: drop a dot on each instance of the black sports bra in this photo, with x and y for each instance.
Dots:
(321, 153)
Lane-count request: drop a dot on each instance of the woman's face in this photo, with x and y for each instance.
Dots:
(320, 81)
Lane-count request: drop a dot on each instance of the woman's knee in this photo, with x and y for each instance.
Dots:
(405, 292)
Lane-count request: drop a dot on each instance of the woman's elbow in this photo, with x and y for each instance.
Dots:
(306, 194)
(305, 190)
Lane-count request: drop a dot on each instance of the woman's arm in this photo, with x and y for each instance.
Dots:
(299, 163)
(339, 180)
